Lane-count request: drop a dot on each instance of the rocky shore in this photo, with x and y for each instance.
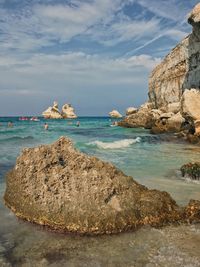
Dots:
(59, 187)
(174, 90)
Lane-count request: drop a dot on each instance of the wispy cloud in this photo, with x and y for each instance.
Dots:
(62, 46)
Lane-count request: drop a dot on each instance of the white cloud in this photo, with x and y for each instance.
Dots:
(44, 73)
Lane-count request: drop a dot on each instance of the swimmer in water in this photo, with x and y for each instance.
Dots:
(78, 124)
(10, 124)
(46, 126)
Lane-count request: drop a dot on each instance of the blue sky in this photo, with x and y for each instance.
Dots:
(95, 54)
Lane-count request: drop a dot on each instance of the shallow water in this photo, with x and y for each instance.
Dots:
(152, 160)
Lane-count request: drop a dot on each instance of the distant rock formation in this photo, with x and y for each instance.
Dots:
(174, 87)
(115, 114)
(68, 112)
(54, 113)
(64, 189)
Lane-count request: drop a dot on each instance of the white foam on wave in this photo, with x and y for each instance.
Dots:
(116, 144)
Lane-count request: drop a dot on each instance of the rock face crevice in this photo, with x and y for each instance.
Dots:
(60, 187)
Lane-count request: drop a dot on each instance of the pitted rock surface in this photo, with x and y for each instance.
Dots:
(57, 186)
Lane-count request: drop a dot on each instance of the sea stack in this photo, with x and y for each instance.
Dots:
(52, 112)
(68, 112)
(59, 187)
(115, 114)
(174, 88)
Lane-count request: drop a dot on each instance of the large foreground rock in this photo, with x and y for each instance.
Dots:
(57, 186)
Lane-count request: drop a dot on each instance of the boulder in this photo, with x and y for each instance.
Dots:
(68, 112)
(190, 104)
(168, 122)
(142, 118)
(166, 115)
(173, 107)
(175, 123)
(115, 114)
(130, 111)
(191, 170)
(52, 112)
(59, 187)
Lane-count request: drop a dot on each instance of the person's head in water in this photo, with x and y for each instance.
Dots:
(46, 126)
(10, 124)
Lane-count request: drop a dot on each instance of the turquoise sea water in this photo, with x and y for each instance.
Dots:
(152, 160)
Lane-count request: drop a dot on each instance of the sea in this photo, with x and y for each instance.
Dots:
(152, 160)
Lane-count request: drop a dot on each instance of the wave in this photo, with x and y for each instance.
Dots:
(17, 138)
(116, 144)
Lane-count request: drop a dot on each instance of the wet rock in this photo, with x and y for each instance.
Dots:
(192, 211)
(59, 187)
(191, 170)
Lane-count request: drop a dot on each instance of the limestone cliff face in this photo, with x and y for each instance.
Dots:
(179, 70)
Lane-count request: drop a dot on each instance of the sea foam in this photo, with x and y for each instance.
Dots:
(116, 144)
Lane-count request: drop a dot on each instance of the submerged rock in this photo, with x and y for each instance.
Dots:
(68, 112)
(115, 114)
(191, 170)
(57, 186)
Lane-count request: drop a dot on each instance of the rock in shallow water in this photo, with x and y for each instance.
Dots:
(57, 186)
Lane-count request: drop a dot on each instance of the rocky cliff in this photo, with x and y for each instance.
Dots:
(179, 70)
(174, 89)
(60, 187)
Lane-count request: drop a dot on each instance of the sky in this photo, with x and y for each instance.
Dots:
(95, 54)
